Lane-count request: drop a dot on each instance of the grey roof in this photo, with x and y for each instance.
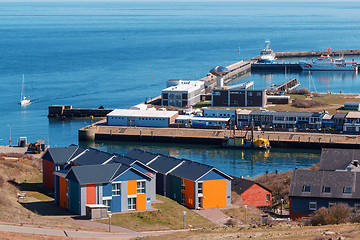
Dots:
(128, 161)
(142, 156)
(95, 173)
(262, 112)
(352, 103)
(62, 154)
(240, 185)
(191, 170)
(164, 164)
(337, 159)
(92, 156)
(337, 180)
(98, 173)
(293, 114)
(340, 115)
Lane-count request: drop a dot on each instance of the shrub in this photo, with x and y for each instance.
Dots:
(301, 91)
(302, 103)
(333, 215)
(279, 184)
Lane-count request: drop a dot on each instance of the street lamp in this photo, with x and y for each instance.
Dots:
(184, 218)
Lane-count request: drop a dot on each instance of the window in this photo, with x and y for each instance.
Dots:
(107, 202)
(249, 103)
(131, 203)
(183, 184)
(267, 197)
(249, 94)
(347, 190)
(332, 204)
(306, 189)
(140, 187)
(116, 189)
(165, 96)
(312, 206)
(183, 198)
(258, 94)
(200, 187)
(326, 189)
(357, 207)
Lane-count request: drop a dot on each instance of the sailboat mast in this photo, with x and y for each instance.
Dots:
(22, 89)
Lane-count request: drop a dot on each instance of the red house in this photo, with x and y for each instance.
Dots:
(251, 192)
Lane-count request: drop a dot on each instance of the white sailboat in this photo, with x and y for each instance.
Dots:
(23, 100)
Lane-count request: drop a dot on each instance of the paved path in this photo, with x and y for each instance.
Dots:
(75, 233)
(214, 215)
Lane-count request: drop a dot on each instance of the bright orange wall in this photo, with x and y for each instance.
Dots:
(256, 196)
(91, 194)
(214, 193)
(189, 193)
(63, 190)
(132, 187)
(141, 202)
(48, 174)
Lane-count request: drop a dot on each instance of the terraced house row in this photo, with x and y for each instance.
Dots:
(82, 177)
(344, 121)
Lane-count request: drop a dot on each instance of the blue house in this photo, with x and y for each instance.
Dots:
(118, 186)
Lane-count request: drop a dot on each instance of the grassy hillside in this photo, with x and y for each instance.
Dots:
(22, 173)
(165, 216)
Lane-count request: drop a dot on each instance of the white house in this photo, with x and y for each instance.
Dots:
(185, 93)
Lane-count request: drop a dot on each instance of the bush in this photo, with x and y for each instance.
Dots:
(333, 215)
(302, 103)
(301, 91)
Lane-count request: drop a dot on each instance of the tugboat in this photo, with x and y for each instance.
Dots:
(267, 55)
(244, 143)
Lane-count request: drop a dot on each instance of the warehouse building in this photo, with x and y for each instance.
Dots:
(141, 118)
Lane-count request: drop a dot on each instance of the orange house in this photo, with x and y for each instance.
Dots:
(251, 192)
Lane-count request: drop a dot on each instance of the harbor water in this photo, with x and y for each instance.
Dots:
(118, 54)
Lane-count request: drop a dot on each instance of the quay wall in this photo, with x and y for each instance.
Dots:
(215, 136)
(316, 53)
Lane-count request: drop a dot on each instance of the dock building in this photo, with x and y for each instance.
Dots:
(220, 122)
(141, 118)
(179, 93)
(355, 106)
(352, 122)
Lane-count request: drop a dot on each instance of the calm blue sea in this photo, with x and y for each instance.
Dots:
(119, 54)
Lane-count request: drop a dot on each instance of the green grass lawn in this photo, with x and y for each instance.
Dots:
(169, 215)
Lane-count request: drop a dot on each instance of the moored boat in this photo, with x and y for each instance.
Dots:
(267, 55)
(328, 63)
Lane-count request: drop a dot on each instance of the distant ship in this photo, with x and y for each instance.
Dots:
(328, 63)
(267, 55)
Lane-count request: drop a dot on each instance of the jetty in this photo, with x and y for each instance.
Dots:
(66, 111)
(101, 132)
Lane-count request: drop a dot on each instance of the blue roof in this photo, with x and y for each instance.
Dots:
(164, 164)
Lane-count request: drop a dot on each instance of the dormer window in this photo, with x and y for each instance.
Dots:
(347, 190)
(306, 189)
(326, 189)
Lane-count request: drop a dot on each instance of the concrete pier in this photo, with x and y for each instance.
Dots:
(317, 53)
(215, 136)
